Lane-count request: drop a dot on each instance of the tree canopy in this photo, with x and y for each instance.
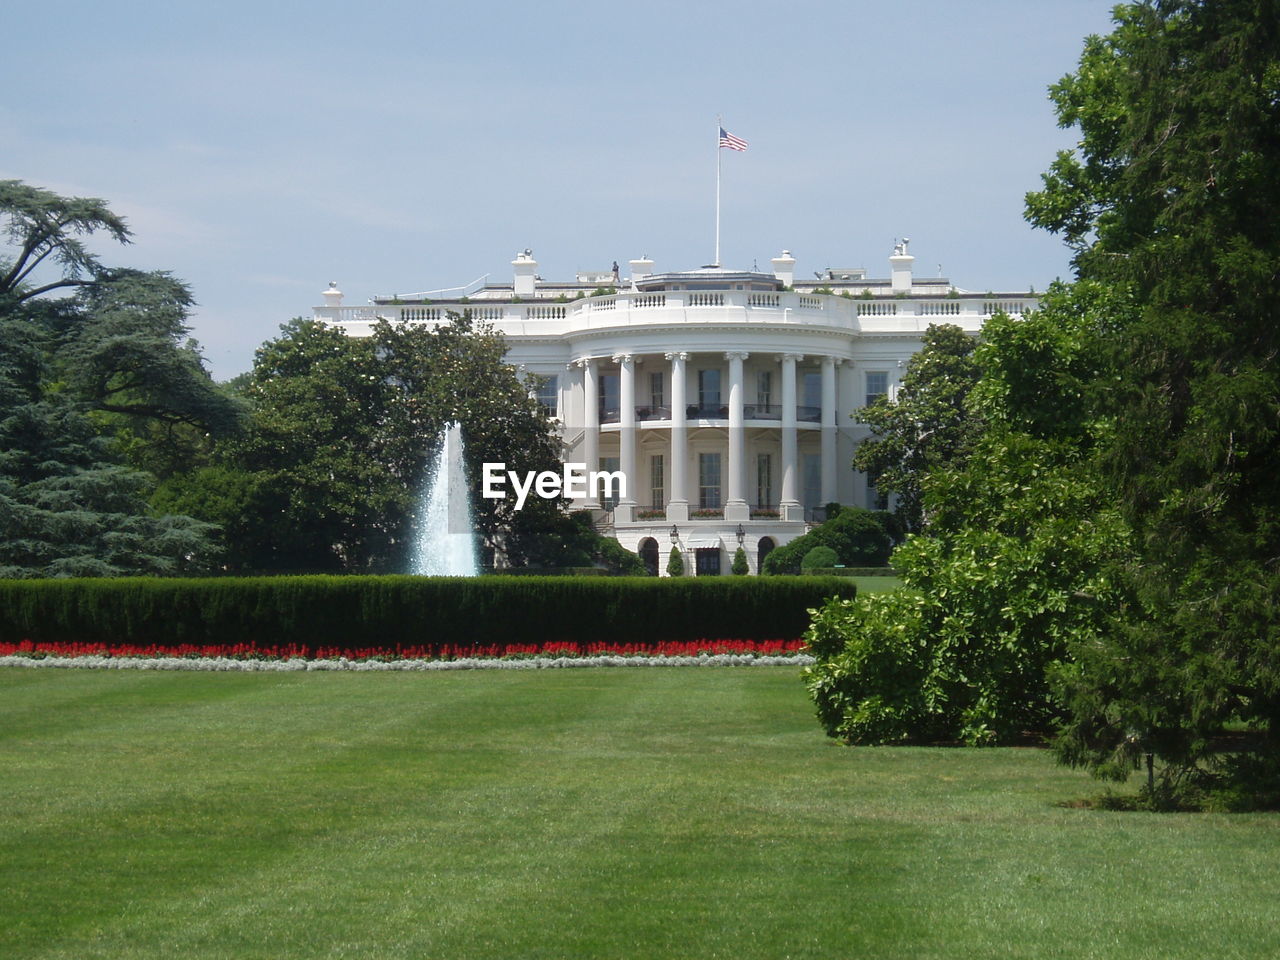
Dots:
(926, 426)
(329, 473)
(101, 387)
(1174, 195)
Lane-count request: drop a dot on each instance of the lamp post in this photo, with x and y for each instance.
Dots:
(675, 534)
(742, 534)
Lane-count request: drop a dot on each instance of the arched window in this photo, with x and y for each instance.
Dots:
(766, 545)
(649, 554)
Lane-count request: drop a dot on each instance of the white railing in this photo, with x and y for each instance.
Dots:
(632, 308)
(545, 313)
(1011, 307)
(947, 308)
(870, 308)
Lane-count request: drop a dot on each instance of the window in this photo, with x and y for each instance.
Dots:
(709, 391)
(707, 562)
(657, 481)
(657, 396)
(708, 480)
(610, 465)
(877, 385)
(813, 390)
(764, 480)
(610, 402)
(549, 394)
(811, 464)
(810, 409)
(764, 388)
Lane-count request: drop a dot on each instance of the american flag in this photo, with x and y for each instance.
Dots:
(727, 139)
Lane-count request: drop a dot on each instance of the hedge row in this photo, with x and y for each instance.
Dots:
(401, 612)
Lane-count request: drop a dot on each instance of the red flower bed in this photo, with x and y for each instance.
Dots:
(252, 651)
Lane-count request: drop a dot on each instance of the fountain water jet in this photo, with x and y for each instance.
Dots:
(446, 544)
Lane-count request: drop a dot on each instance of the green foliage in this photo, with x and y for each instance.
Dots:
(1010, 574)
(818, 557)
(740, 566)
(1174, 196)
(858, 537)
(99, 391)
(928, 427)
(341, 437)
(675, 563)
(350, 612)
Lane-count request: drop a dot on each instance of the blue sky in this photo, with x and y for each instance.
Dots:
(260, 150)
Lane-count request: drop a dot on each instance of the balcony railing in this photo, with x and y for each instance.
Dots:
(750, 411)
(637, 308)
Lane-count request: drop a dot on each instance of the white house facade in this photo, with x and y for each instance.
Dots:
(724, 397)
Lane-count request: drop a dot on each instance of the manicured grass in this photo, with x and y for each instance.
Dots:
(596, 813)
(877, 584)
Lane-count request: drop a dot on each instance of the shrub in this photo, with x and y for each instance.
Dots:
(817, 558)
(675, 563)
(740, 566)
(860, 538)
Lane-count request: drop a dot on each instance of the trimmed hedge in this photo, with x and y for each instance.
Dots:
(401, 612)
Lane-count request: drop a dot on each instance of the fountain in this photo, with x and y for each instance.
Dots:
(446, 539)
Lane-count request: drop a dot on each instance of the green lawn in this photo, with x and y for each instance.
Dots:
(877, 584)
(632, 813)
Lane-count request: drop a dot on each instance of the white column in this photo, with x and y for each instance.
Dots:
(789, 505)
(590, 426)
(678, 494)
(625, 511)
(828, 430)
(735, 507)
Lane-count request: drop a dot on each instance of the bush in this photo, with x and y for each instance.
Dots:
(675, 564)
(860, 538)
(401, 612)
(817, 558)
(740, 566)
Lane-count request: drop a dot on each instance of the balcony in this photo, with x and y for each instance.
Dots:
(695, 411)
(628, 309)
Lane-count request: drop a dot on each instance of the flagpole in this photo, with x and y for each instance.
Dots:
(719, 124)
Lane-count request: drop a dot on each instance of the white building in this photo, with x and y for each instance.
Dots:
(724, 397)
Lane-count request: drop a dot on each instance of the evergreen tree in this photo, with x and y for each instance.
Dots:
(93, 385)
(1174, 196)
(675, 563)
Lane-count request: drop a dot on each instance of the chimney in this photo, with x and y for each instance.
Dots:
(526, 273)
(900, 265)
(784, 268)
(333, 296)
(641, 268)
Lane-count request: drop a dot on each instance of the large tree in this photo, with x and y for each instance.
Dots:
(329, 475)
(1174, 196)
(927, 426)
(98, 378)
(1011, 571)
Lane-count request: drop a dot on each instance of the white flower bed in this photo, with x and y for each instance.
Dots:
(299, 664)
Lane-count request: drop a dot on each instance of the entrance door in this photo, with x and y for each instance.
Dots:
(707, 560)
